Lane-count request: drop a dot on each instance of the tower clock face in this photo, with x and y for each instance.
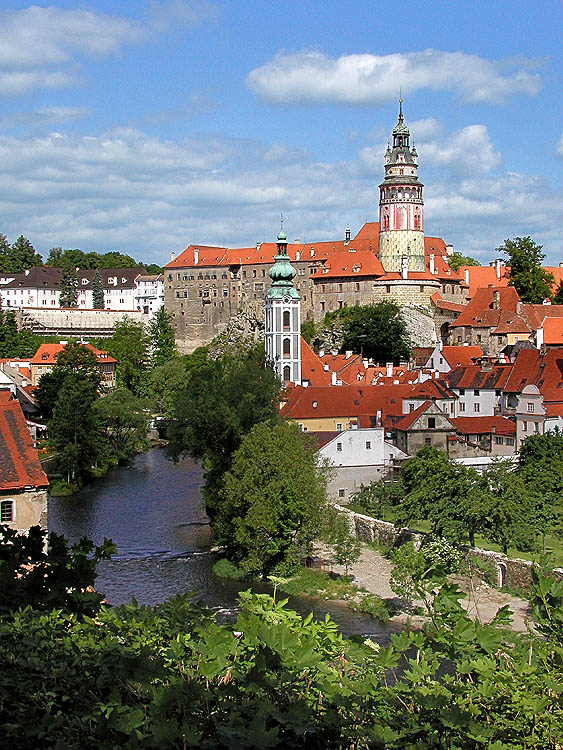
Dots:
(286, 300)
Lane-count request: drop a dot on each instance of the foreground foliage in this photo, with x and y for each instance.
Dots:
(171, 677)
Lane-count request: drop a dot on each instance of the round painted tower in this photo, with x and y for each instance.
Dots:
(401, 208)
(282, 330)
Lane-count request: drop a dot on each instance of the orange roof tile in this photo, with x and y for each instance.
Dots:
(553, 331)
(484, 425)
(473, 376)
(480, 311)
(47, 354)
(312, 367)
(19, 463)
(461, 356)
(408, 420)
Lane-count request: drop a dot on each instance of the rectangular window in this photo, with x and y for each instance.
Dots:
(530, 406)
(461, 406)
(6, 511)
(339, 447)
(254, 273)
(411, 408)
(476, 408)
(499, 440)
(476, 392)
(368, 445)
(524, 427)
(339, 428)
(510, 441)
(341, 493)
(462, 391)
(427, 441)
(431, 422)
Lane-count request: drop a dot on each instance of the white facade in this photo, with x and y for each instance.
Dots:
(283, 337)
(360, 456)
(478, 402)
(149, 294)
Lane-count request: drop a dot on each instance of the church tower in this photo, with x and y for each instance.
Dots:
(401, 208)
(283, 317)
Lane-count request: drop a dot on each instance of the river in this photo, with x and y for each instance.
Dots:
(151, 509)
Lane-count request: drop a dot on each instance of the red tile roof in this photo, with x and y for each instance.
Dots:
(485, 276)
(544, 371)
(312, 366)
(461, 356)
(443, 304)
(406, 422)
(47, 354)
(19, 464)
(344, 264)
(480, 311)
(553, 331)
(474, 376)
(342, 401)
(432, 389)
(484, 425)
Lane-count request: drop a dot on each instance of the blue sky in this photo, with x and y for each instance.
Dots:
(144, 127)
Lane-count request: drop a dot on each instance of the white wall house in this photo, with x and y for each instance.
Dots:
(149, 293)
(478, 402)
(360, 456)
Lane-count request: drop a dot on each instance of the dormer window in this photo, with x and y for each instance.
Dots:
(123, 280)
(84, 281)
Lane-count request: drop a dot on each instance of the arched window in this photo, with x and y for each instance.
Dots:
(401, 218)
(286, 320)
(286, 374)
(286, 348)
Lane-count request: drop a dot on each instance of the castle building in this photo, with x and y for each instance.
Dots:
(390, 260)
(282, 332)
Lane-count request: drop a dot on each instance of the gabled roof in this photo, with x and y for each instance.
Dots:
(312, 367)
(536, 314)
(474, 376)
(484, 425)
(45, 277)
(406, 422)
(344, 264)
(47, 354)
(321, 402)
(543, 370)
(485, 276)
(443, 304)
(421, 354)
(510, 322)
(461, 356)
(432, 389)
(19, 463)
(553, 331)
(480, 311)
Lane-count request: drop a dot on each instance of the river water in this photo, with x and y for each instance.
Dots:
(151, 509)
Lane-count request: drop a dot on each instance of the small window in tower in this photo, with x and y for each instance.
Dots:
(401, 171)
(287, 373)
(286, 320)
(286, 348)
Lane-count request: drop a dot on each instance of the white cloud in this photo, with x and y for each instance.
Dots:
(40, 47)
(42, 116)
(125, 190)
(311, 76)
(559, 147)
(422, 130)
(468, 151)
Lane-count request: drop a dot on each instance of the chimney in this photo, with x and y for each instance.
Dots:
(348, 353)
(26, 272)
(325, 367)
(365, 364)
(333, 378)
(196, 256)
(321, 352)
(258, 245)
(449, 249)
(347, 234)
(297, 255)
(431, 264)
(466, 274)
(496, 300)
(378, 418)
(172, 257)
(497, 267)
(389, 366)
(539, 338)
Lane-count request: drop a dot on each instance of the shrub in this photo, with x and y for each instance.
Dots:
(226, 569)
(375, 607)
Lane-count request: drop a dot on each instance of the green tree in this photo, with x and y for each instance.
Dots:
(152, 268)
(558, 298)
(377, 498)
(456, 260)
(162, 384)
(122, 420)
(273, 501)
(217, 406)
(540, 466)
(5, 255)
(75, 357)
(59, 258)
(68, 286)
(161, 334)
(444, 493)
(510, 512)
(73, 429)
(97, 292)
(377, 331)
(346, 547)
(527, 276)
(129, 344)
(23, 255)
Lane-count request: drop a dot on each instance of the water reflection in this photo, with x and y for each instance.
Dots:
(152, 510)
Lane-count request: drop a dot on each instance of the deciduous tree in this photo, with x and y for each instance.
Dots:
(122, 420)
(163, 345)
(129, 344)
(273, 501)
(457, 259)
(527, 276)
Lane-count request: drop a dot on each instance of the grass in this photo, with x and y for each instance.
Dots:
(318, 584)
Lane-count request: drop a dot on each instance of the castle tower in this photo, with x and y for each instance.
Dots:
(401, 208)
(283, 317)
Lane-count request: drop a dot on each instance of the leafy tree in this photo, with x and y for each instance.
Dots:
(122, 420)
(161, 334)
(558, 298)
(68, 286)
(377, 498)
(58, 577)
(47, 391)
(97, 291)
(75, 357)
(129, 344)
(152, 268)
(217, 406)
(346, 547)
(73, 430)
(5, 255)
(59, 258)
(509, 508)
(162, 384)
(377, 331)
(530, 280)
(273, 500)
(308, 330)
(443, 492)
(16, 342)
(540, 467)
(456, 260)
(23, 255)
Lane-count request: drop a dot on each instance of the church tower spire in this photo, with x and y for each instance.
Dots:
(282, 329)
(401, 208)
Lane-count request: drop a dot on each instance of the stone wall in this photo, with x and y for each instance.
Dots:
(512, 572)
(65, 322)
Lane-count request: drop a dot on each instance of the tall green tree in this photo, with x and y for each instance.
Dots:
(129, 344)
(23, 255)
(122, 420)
(219, 403)
(5, 255)
(97, 291)
(68, 286)
(73, 429)
(273, 501)
(163, 345)
(377, 331)
(162, 384)
(75, 358)
(457, 259)
(558, 298)
(527, 276)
